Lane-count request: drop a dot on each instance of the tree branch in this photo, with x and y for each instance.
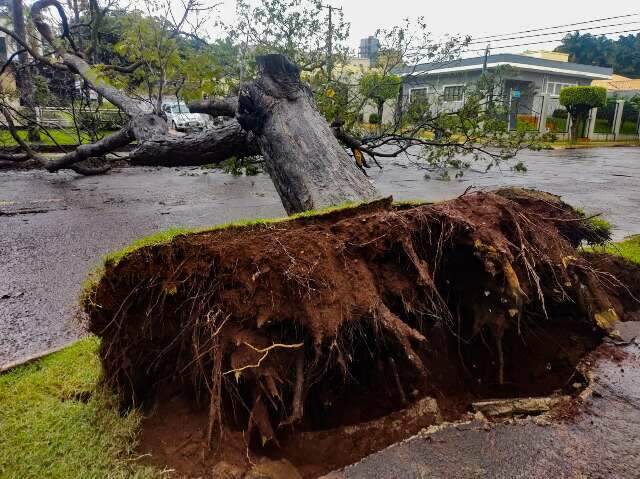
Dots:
(213, 145)
(32, 52)
(124, 69)
(217, 107)
(99, 148)
(78, 65)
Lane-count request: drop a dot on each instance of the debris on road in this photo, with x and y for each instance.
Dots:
(518, 406)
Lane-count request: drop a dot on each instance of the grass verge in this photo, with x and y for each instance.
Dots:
(61, 137)
(629, 248)
(56, 422)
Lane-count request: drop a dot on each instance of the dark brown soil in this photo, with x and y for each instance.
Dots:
(621, 278)
(273, 341)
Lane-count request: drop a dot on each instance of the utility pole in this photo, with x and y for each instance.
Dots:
(330, 39)
(486, 58)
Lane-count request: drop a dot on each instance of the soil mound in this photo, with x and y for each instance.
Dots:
(265, 338)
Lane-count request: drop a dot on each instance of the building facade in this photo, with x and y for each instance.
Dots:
(369, 48)
(529, 84)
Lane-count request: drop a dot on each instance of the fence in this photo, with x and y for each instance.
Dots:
(102, 119)
(619, 119)
(67, 118)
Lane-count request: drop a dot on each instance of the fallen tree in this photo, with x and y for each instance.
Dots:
(340, 318)
(274, 115)
(276, 118)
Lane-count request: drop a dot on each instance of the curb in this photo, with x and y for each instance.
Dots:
(4, 368)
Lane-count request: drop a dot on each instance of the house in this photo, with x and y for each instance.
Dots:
(530, 83)
(620, 86)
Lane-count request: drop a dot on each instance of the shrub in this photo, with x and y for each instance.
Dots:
(583, 98)
(578, 100)
(374, 119)
(560, 113)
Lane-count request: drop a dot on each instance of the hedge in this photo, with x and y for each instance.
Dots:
(583, 97)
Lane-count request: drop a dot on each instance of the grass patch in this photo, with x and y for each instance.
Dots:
(628, 248)
(61, 137)
(599, 224)
(56, 422)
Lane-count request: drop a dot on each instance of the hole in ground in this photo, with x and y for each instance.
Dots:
(349, 417)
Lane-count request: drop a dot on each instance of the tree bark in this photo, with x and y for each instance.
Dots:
(24, 81)
(308, 166)
(211, 146)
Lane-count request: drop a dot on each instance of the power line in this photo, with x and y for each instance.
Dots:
(556, 33)
(558, 26)
(557, 40)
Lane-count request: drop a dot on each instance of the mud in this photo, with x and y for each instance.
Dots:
(256, 340)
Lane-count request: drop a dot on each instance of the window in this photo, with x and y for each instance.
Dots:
(418, 94)
(175, 108)
(453, 93)
(180, 108)
(553, 88)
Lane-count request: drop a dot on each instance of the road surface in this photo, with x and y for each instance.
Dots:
(601, 441)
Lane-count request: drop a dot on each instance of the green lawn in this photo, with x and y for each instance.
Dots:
(603, 125)
(629, 127)
(56, 422)
(61, 137)
(557, 125)
(629, 248)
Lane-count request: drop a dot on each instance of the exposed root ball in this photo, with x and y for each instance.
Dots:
(339, 318)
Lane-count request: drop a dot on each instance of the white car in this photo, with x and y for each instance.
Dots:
(180, 118)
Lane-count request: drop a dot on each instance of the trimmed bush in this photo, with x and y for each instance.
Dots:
(583, 98)
(578, 100)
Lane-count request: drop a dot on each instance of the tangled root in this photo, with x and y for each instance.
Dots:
(272, 326)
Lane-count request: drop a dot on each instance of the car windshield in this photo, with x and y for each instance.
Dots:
(179, 109)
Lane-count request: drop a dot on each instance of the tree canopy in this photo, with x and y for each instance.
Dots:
(581, 99)
(135, 57)
(622, 54)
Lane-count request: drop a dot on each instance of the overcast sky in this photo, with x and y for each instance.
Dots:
(480, 18)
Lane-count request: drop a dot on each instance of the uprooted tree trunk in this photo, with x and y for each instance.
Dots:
(307, 164)
(276, 117)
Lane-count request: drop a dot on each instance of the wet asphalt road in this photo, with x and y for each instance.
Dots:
(55, 227)
(602, 441)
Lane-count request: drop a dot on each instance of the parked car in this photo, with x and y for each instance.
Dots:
(180, 118)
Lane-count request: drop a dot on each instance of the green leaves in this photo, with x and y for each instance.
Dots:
(296, 28)
(379, 87)
(583, 97)
(599, 50)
